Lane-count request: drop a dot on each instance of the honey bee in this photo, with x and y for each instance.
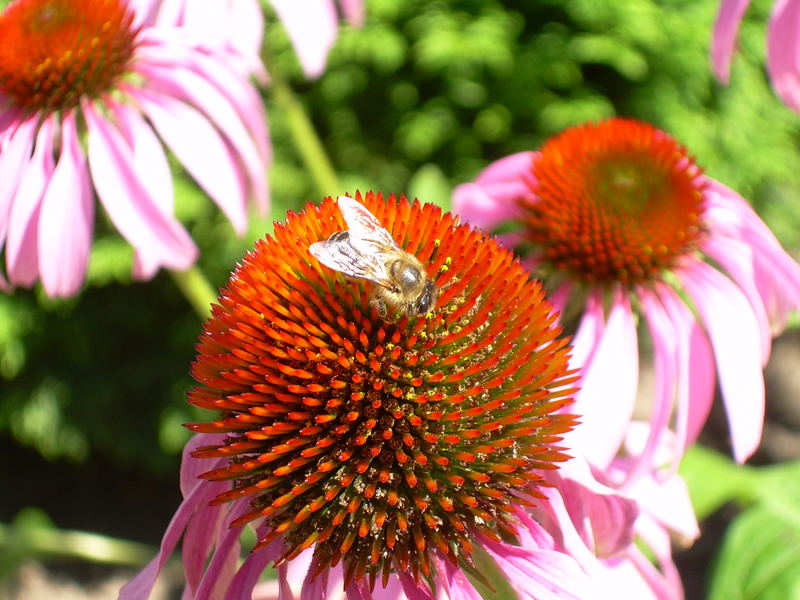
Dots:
(368, 251)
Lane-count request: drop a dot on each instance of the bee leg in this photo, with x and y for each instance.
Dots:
(380, 307)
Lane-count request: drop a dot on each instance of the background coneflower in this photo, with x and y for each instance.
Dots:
(90, 93)
(622, 223)
(389, 447)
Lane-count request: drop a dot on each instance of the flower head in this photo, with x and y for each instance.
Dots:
(621, 222)
(90, 92)
(391, 447)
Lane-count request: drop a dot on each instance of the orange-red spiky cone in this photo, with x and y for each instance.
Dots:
(379, 443)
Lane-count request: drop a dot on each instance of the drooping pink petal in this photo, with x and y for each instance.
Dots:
(667, 503)
(734, 334)
(590, 331)
(453, 583)
(153, 172)
(607, 518)
(141, 585)
(491, 199)
(67, 218)
(726, 28)
(248, 575)
(608, 388)
(776, 273)
(199, 538)
(197, 493)
(222, 76)
(783, 48)
(15, 154)
(312, 27)
(736, 257)
(221, 569)
(201, 149)
(541, 574)
(665, 358)
(696, 374)
(199, 92)
(22, 253)
(149, 159)
(128, 202)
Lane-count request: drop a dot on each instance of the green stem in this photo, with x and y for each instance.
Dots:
(197, 290)
(306, 140)
(46, 540)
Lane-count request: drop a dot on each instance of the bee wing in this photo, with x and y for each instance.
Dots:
(339, 254)
(367, 235)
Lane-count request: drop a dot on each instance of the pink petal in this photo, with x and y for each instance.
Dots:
(23, 224)
(665, 355)
(590, 332)
(777, 275)
(696, 379)
(199, 147)
(353, 11)
(604, 520)
(491, 198)
(454, 584)
(249, 574)
(200, 93)
(726, 28)
(782, 51)
(313, 37)
(67, 218)
(128, 202)
(214, 68)
(608, 388)
(668, 503)
(149, 159)
(541, 574)
(15, 154)
(221, 568)
(736, 257)
(199, 539)
(141, 585)
(734, 334)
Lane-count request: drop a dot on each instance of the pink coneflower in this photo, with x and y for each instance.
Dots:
(374, 456)
(783, 45)
(91, 93)
(629, 234)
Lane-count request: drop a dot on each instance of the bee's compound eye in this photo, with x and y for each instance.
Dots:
(407, 275)
(426, 301)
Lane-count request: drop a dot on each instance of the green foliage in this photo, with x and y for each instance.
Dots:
(760, 555)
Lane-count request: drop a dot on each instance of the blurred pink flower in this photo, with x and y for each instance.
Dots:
(630, 235)
(89, 101)
(783, 45)
(312, 26)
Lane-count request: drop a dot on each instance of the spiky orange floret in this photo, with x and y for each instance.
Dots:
(378, 442)
(615, 201)
(55, 52)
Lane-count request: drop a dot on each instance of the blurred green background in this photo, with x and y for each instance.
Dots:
(418, 100)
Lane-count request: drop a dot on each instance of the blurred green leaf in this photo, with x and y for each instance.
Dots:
(760, 558)
(714, 479)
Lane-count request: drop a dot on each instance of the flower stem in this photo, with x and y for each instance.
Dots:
(306, 140)
(196, 288)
